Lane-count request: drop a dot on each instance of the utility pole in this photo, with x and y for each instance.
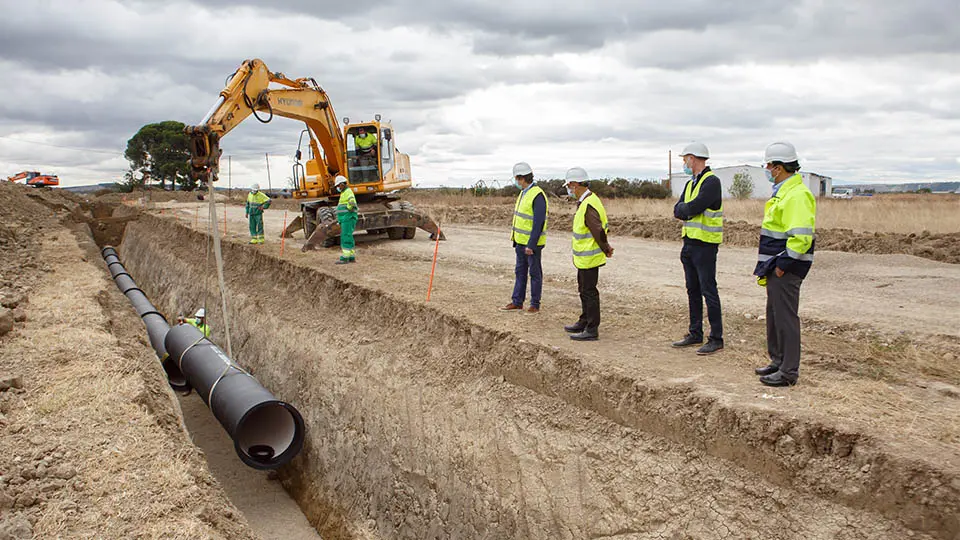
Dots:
(670, 169)
(269, 186)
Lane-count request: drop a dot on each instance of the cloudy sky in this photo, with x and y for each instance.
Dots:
(868, 90)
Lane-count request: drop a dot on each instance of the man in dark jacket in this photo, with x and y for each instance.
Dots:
(701, 209)
(529, 235)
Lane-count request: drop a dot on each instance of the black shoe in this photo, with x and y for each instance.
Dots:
(769, 370)
(586, 335)
(575, 328)
(712, 346)
(777, 379)
(687, 341)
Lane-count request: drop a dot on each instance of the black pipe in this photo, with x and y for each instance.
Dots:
(266, 432)
(157, 326)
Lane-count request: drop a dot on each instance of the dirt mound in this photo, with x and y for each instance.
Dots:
(937, 247)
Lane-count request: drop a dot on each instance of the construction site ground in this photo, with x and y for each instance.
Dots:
(451, 419)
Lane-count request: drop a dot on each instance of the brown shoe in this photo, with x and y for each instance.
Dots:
(532, 309)
(511, 307)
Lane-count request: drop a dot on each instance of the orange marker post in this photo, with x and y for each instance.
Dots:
(283, 236)
(433, 267)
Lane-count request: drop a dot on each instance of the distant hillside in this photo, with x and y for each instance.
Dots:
(903, 188)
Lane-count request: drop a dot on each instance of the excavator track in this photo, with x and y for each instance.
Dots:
(399, 219)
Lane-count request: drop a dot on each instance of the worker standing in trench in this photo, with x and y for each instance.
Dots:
(199, 321)
(257, 202)
(347, 217)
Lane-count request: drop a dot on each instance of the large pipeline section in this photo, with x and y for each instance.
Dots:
(266, 432)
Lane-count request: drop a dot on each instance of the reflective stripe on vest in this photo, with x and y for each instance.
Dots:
(586, 250)
(708, 226)
(523, 217)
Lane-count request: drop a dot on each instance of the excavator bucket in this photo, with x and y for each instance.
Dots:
(401, 217)
(293, 227)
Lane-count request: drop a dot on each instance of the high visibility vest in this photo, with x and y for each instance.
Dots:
(708, 226)
(347, 204)
(203, 328)
(586, 250)
(257, 202)
(789, 220)
(523, 217)
(366, 141)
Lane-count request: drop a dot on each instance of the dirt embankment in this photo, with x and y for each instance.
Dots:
(92, 443)
(423, 424)
(937, 247)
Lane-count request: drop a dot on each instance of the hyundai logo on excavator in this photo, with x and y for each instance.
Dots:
(290, 102)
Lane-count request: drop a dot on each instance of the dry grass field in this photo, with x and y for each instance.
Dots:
(900, 213)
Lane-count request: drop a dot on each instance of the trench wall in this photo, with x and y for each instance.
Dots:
(425, 425)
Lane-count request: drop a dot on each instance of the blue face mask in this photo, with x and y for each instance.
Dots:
(517, 183)
(570, 193)
(687, 170)
(770, 177)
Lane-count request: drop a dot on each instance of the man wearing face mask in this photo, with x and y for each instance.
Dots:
(701, 209)
(257, 202)
(529, 235)
(784, 259)
(590, 251)
(347, 218)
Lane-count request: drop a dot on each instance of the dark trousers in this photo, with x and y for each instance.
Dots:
(528, 264)
(783, 323)
(700, 270)
(589, 297)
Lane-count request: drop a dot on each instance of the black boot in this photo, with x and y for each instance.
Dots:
(588, 334)
(777, 379)
(687, 341)
(575, 328)
(769, 370)
(712, 346)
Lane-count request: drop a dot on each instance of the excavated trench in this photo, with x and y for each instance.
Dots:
(424, 425)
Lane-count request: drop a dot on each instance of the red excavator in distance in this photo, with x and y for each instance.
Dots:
(35, 179)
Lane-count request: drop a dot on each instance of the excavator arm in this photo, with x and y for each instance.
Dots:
(248, 93)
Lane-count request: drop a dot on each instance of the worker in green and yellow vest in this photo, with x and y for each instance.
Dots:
(529, 235)
(257, 202)
(366, 145)
(199, 321)
(701, 209)
(591, 249)
(784, 259)
(347, 214)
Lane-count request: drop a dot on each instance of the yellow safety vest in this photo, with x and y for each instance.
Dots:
(257, 202)
(347, 203)
(708, 226)
(789, 222)
(523, 217)
(203, 328)
(366, 141)
(586, 250)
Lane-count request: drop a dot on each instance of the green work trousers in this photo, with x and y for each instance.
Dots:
(348, 223)
(256, 225)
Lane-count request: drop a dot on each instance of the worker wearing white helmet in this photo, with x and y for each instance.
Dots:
(701, 209)
(529, 235)
(591, 248)
(347, 216)
(257, 202)
(784, 259)
(199, 321)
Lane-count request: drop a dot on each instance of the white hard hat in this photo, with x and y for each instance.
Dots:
(340, 179)
(522, 169)
(577, 174)
(696, 149)
(783, 152)
(201, 313)
(255, 187)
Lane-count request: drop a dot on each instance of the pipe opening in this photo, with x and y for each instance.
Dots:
(268, 434)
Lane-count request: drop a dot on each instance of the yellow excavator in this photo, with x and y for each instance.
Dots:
(374, 172)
